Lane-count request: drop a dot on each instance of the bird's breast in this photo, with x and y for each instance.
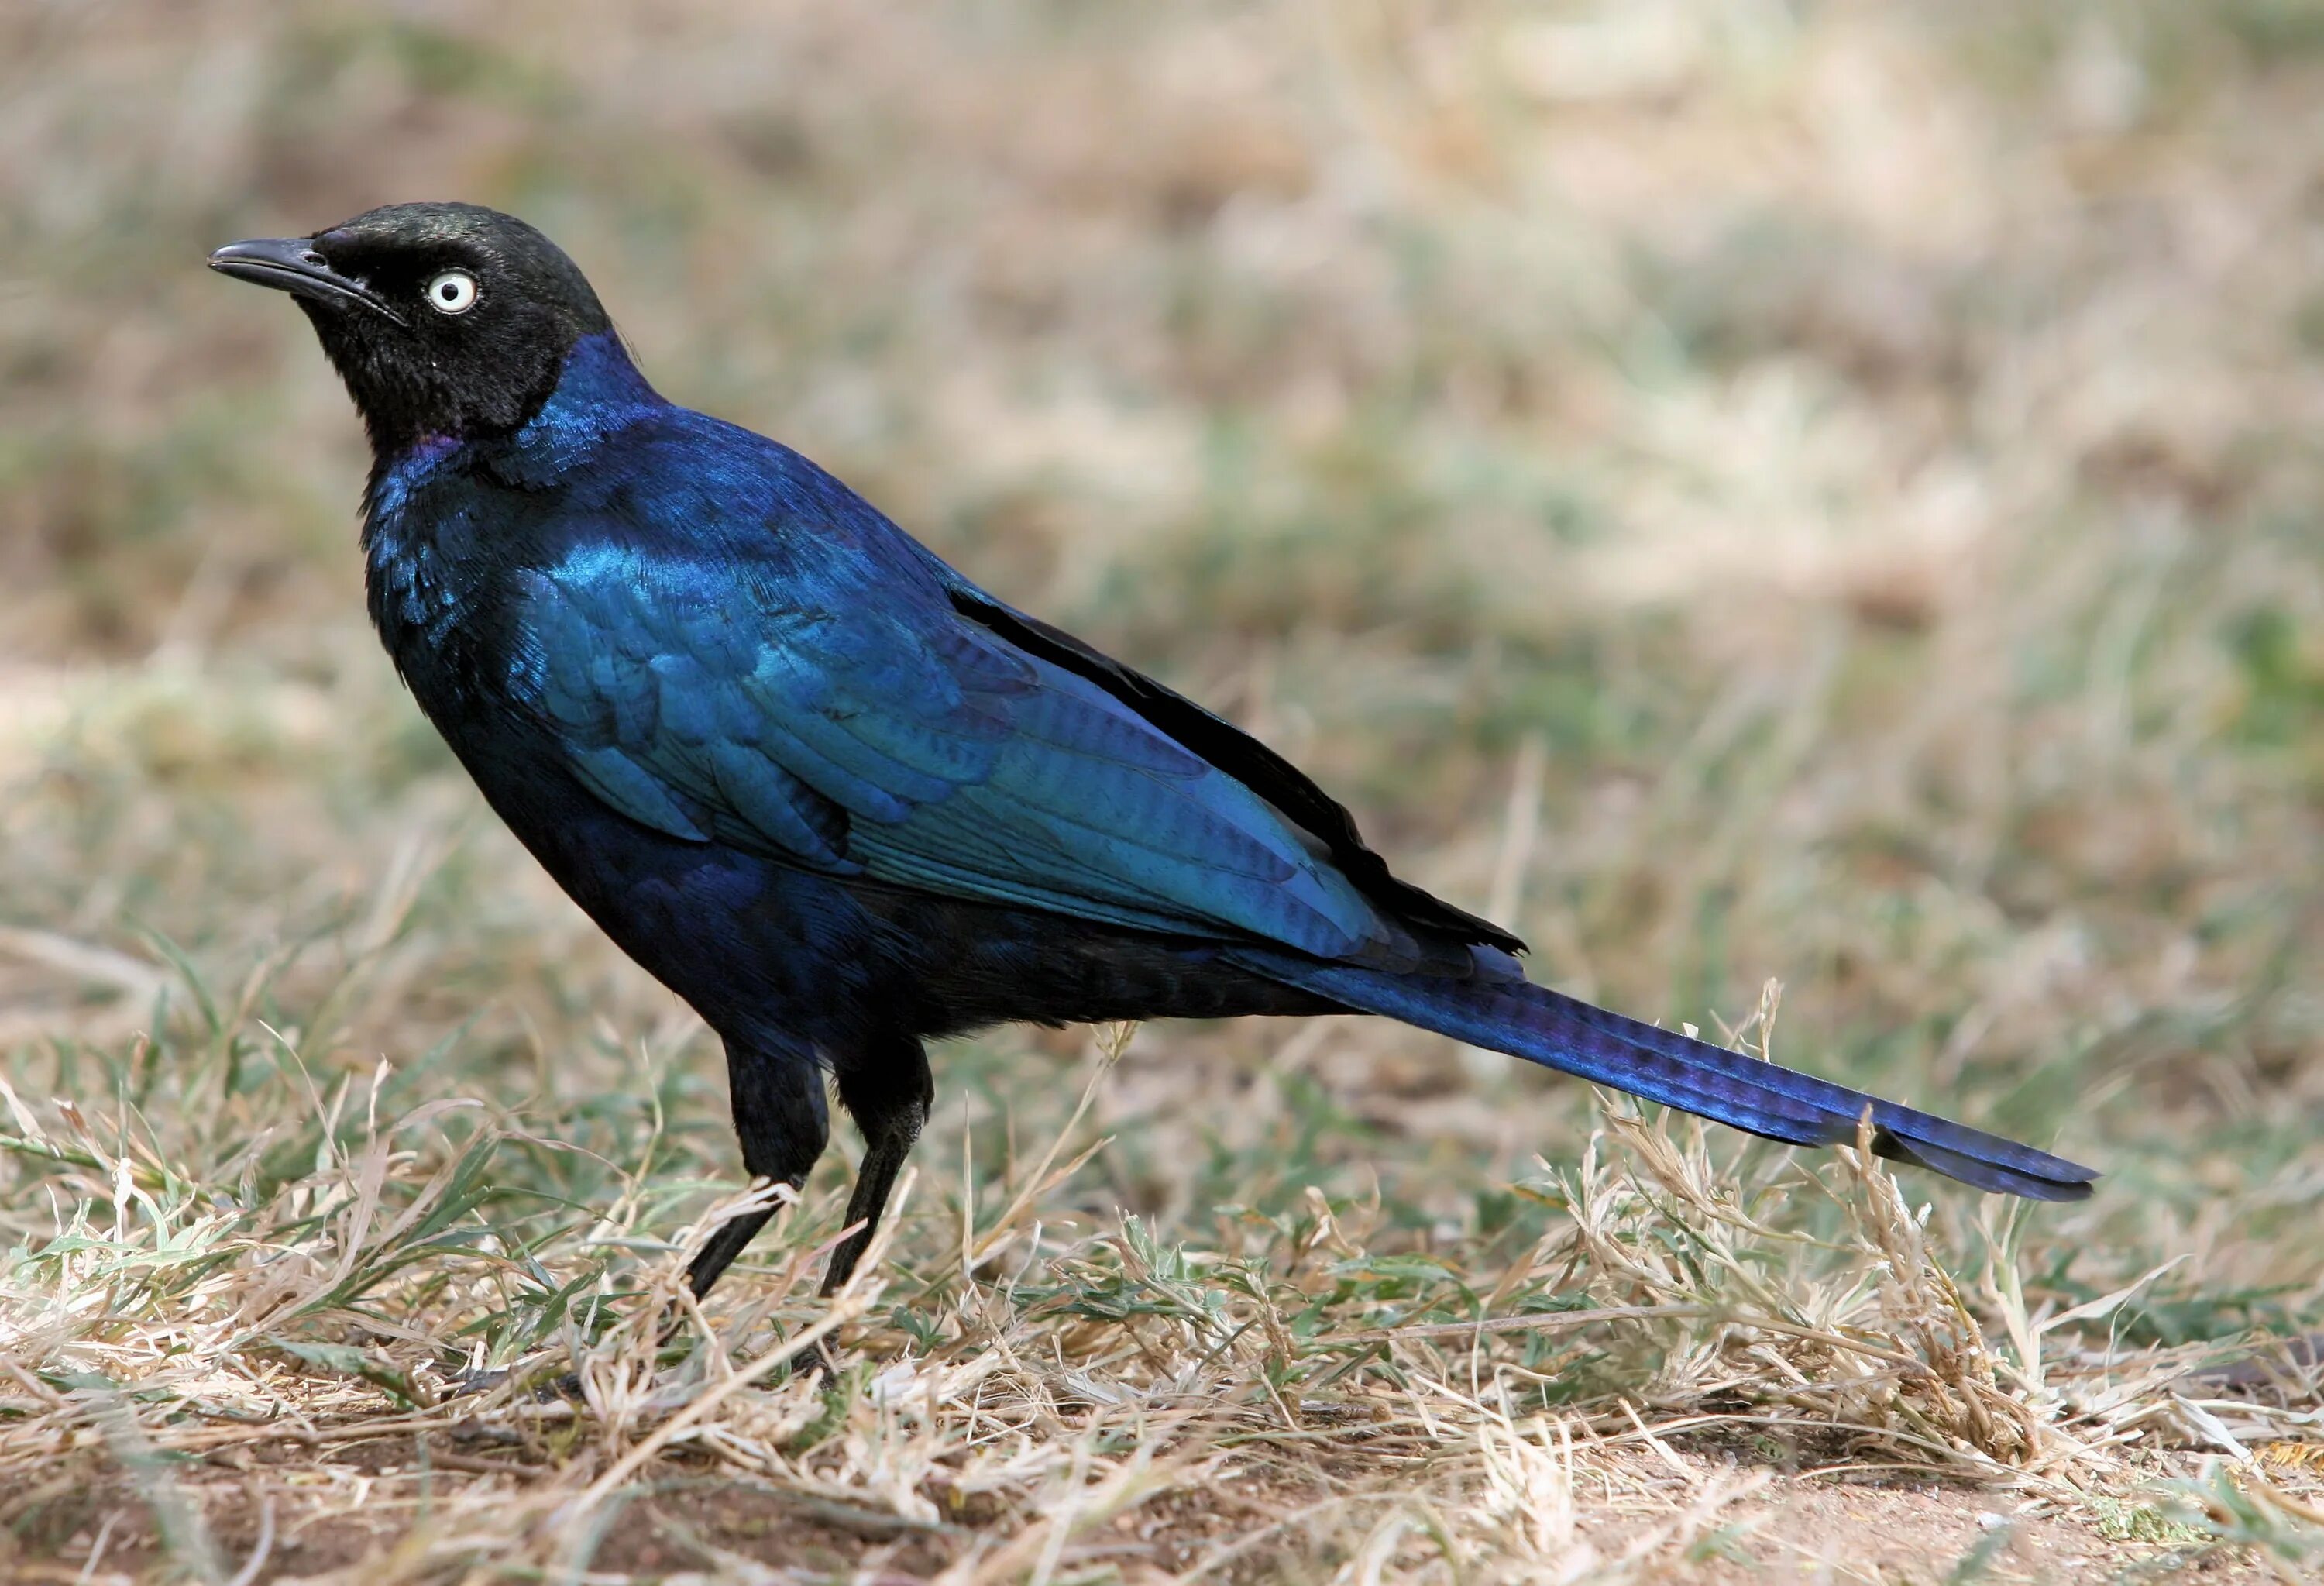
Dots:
(435, 577)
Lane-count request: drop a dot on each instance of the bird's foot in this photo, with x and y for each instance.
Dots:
(471, 1383)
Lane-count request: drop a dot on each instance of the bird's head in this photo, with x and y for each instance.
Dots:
(443, 319)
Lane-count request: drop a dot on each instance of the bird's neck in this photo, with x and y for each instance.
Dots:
(598, 392)
(443, 511)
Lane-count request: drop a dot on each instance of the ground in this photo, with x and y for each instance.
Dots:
(1711, 1520)
(1809, 513)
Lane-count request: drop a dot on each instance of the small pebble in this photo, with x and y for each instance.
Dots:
(1987, 1520)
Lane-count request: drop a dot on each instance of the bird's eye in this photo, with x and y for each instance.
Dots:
(452, 292)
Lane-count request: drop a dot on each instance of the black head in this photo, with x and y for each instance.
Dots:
(442, 319)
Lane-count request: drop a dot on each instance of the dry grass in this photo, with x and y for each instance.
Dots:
(1745, 491)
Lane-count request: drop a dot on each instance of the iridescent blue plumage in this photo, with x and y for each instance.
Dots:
(726, 645)
(841, 799)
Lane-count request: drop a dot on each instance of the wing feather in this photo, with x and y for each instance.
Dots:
(914, 746)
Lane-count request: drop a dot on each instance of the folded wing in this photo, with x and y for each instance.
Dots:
(912, 745)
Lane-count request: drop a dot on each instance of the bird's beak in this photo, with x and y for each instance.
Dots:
(292, 264)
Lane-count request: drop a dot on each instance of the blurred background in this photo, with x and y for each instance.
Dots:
(1739, 490)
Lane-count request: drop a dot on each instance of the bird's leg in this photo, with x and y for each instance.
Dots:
(888, 1094)
(718, 1251)
(783, 1123)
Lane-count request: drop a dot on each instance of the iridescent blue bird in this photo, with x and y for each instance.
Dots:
(840, 799)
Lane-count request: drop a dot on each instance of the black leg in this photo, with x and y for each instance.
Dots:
(783, 1121)
(888, 1094)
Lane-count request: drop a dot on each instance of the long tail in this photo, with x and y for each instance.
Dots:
(1533, 1022)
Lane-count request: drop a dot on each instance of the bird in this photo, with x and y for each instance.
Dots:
(843, 800)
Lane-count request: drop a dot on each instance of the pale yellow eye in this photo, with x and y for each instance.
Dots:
(452, 292)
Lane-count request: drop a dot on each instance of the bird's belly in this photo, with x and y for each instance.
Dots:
(748, 942)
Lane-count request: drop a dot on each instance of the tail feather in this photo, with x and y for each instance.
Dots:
(1541, 1026)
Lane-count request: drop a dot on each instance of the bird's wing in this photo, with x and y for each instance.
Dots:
(857, 722)
(1287, 789)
